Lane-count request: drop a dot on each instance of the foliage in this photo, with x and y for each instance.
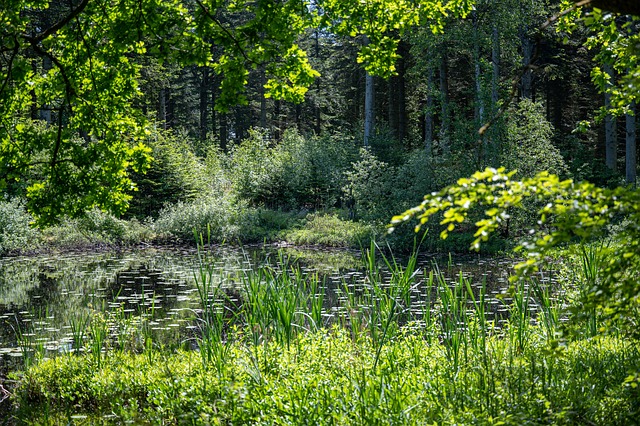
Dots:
(324, 379)
(616, 42)
(96, 228)
(272, 357)
(16, 232)
(175, 174)
(571, 212)
(257, 170)
(528, 147)
(75, 67)
(330, 230)
(369, 185)
(297, 172)
(220, 216)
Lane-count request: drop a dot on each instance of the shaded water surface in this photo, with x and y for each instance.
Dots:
(44, 298)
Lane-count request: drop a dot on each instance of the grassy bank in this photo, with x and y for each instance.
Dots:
(328, 378)
(407, 347)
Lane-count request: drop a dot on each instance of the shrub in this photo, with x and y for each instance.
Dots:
(95, 228)
(529, 148)
(370, 186)
(176, 174)
(331, 230)
(296, 172)
(16, 234)
(219, 216)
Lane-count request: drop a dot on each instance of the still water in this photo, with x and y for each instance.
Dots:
(44, 298)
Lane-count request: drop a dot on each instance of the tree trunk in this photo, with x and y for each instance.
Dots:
(213, 104)
(610, 138)
(445, 125)
(224, 132)
(240, 125)
(369, 109)
(495, 60)
(479, 110)
(401, 95)
(277, 106)
(428, 116)
(204, 104)
(527, 56)
(630, 156)
(162, 108)
(298, 118)
(392, 104)
(45, 110)
(263, 99)
(316, 105)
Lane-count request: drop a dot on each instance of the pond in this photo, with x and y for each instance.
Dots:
(45, 299)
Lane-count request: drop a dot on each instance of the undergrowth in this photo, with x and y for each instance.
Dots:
(407, 347)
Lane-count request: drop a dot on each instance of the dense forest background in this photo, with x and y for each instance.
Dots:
(355, 151)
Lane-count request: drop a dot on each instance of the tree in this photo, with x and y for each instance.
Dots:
(571, 211)
(80, 67)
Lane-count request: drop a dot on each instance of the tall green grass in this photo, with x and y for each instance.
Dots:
(404, 347)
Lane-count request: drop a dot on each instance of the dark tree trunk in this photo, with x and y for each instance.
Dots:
(369, 109)
(263, 99)
(277, 108)
(402, 96)
(630, 155)
(495, 60)
(428, 116)
(204, 104)
(392, 105)
(610, 131)
(224, 132)
(526, 83)
(445, 125)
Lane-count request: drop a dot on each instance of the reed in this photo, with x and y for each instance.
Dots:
(78, 325)
(98, 335)
(592, 258)
(213, 320)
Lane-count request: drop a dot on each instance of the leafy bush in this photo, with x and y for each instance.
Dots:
(528, 147)
(296, 172)
(220, 216)
(15, 231)
(529, 150)
(223, 218)
(370, 186)
(95, 228)
(331, 230)
(176, 174)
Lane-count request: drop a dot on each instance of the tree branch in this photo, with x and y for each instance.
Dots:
(209, 15)
(16, 48)
(55, 27)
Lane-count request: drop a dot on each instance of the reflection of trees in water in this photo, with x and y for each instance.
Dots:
(52, 291)
(139, 287)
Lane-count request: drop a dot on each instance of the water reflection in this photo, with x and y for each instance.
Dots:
(41, 296)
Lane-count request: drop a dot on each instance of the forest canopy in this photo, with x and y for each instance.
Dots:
(73, 119)
(72, 126)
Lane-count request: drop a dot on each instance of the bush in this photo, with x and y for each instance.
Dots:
(16, 234)
(331, 230)
(529, 148)
(219, 216)
(296, 172)
(176, 174)
(95, 228)
(370, 186)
